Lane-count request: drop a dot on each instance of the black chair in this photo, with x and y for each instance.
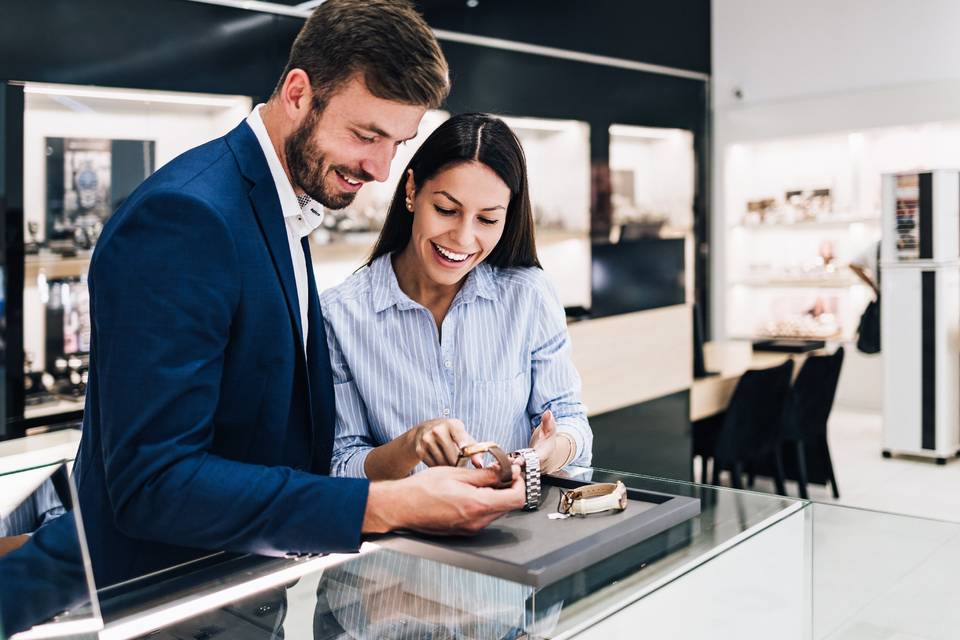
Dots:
(805, 422)
(749, 433)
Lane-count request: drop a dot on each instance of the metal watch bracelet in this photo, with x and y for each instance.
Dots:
(530, 462)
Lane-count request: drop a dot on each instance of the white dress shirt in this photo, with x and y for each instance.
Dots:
(301, 219)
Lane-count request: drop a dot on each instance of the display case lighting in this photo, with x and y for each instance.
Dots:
(190, 606)
(67, 629)
(650, 133)
(541, 124)
(132, 96)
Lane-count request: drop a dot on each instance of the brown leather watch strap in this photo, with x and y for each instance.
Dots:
(503, 460)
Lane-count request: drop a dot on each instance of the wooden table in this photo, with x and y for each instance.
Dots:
(711, 395)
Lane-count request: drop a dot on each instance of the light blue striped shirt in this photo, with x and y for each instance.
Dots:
(503, 358)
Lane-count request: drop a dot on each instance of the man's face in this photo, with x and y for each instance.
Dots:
(333, 153)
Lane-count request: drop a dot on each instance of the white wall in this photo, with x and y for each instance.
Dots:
(818, 67)
(780, 50)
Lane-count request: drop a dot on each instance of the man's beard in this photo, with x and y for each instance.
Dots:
(308, 168)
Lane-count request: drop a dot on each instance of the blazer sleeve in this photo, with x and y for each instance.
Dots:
(163, 287)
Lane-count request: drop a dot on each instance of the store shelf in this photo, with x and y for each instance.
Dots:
(55, 266)
(839, 282)
(838, 223)
(53, 408)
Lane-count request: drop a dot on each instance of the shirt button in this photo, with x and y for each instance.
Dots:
(446, 411)
(447, 363)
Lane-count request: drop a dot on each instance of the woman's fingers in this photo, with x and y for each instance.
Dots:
(439, 440)
(548, 426)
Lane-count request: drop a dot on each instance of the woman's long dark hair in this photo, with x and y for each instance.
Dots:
(469, 137)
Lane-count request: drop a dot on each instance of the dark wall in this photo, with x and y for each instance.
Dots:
(188, 46)
(147, 44)
(674, 33)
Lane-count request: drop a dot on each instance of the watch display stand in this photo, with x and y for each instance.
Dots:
(531, 548)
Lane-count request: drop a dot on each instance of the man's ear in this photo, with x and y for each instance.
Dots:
(296, 95)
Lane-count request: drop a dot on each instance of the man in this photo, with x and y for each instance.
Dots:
(210, 410)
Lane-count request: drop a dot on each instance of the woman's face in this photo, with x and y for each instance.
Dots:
(458, 218)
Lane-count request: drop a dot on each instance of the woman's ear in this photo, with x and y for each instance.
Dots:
(411, 190)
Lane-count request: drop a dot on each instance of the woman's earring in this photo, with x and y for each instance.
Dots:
(409, 203)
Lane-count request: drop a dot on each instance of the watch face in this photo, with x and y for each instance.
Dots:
(87, 179)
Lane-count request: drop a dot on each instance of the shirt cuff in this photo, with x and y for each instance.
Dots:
(353, 465)
(573, 430)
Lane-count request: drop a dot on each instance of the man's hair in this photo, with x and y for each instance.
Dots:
(386, 41)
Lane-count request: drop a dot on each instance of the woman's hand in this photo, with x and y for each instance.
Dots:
(438, 442)
(552, 449)
(544, 439)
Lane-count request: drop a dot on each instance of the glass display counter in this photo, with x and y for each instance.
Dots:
(46, 583)
(381, 593)
(747, 564)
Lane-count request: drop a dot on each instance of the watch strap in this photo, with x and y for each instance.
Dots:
(503, 460)
(594, 498)
(530, 462)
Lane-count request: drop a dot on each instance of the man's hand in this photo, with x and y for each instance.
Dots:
(438, 442)
(441, 500)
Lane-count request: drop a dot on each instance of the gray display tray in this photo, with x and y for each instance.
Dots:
(530, 548)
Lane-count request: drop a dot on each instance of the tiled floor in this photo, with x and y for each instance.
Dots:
(911, 486)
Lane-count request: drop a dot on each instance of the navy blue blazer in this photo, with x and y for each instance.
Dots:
(206, 425)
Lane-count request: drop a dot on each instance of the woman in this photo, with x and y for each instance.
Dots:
(452, 326)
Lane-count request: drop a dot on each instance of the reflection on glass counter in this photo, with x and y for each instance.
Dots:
(46, 584)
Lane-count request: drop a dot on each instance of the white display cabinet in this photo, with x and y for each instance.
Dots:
(558, 168)
(85, 149)
(653, 172)
(798, 210)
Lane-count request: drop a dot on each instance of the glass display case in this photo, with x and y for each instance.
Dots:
(85, 149)
(558, 168)
(381, 593)
(749, 563)
(653, 178)
(46, 582)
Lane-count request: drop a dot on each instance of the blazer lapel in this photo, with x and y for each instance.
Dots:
(320, 377)
(266, 205)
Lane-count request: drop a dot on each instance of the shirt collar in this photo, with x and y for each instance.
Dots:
(304, 207)
(387, 292)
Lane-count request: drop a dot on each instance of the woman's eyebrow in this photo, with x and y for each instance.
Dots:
(457, 202)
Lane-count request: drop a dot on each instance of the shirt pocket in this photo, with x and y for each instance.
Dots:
(497, 409)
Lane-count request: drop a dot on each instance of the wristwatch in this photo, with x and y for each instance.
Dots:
(593, 498)
(503, 460)
(529, 461)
